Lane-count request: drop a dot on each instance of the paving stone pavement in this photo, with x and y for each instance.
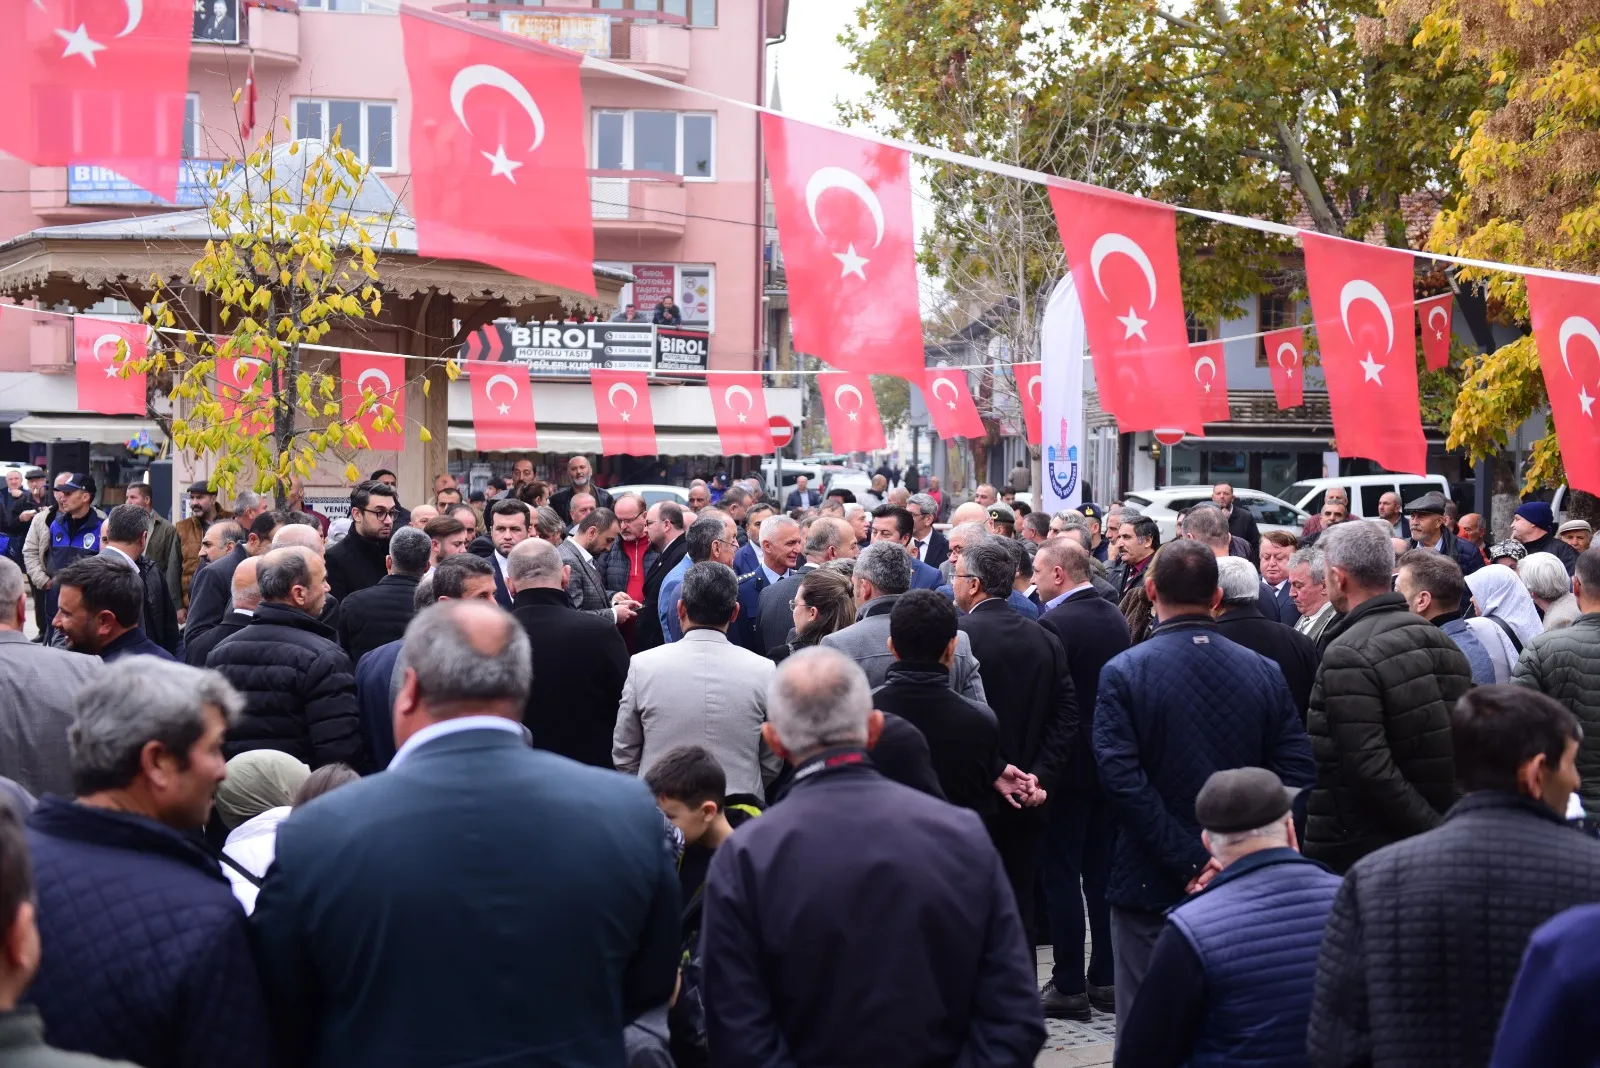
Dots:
(1068, 1043)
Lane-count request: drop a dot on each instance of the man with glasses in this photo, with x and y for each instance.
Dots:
(712, 536)
(623, 566)
(664, 529)
(360, 558)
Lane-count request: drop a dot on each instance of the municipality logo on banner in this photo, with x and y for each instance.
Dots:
(1061, 351)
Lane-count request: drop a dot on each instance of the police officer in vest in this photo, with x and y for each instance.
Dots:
(1232, 971)
(74, 533)
(781, 545)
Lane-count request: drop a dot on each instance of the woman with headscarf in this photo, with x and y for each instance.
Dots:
(253, 843)
(1507, 618)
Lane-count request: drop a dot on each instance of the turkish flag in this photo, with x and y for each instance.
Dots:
(849, 246)
(1211, 372)
(502, 406)
(101, 386)
(949, 399)
(247, 121)
(382, 377)
(740, 405)
(1433, 316)
(622, 409)
(851, 411)
(1361, 297)
(1286, 351)
(1124, 258)
(1030, 388)
(237, 375)
(1565, 315)
(498, 165)
(97, 82)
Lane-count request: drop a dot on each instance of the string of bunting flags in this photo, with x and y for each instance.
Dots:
(499, 177)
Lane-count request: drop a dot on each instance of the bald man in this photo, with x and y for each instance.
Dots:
(971, 512)
(246, 597)
(301, 536)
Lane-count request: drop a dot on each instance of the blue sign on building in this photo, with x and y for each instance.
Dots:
(91, 185)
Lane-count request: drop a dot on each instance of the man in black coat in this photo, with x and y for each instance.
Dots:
(246, 599)
(581, 477)
(927, 544)
(1394, 986)
(361, 557)
(1032, 698)
(1076, 859)
(580, 661)
(222, 546)
(664, 527)
(378, 614)
(1241, 521)
(826, 539)
(853, 885)
(1241, 621)
(298, 685)
(127, 532)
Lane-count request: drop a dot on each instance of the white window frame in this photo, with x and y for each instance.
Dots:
(627, 137)
(361, 151)
(368, 7)
(195, 129)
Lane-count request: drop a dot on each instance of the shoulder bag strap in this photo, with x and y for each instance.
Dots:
(1516, 642)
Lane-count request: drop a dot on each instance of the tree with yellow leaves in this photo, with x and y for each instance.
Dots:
(292, 257)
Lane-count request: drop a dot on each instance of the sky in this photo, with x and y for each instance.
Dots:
(810, 66)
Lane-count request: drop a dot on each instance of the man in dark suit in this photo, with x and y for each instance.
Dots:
(927, 544)
(534, 897)
(1241, 521)
(1032, 698)
(378, 614)
(246, 598)
(127, 530)
(1276, 548)
(579, 659)
(827, 539)
(1077, 851)
(221, 549)
(581, 479)
(1242, 621)
(781, 545)
(787, 941)
(801, 496)
(664, 527)
(896, 524)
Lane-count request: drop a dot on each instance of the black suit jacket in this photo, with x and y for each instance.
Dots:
(1295, 654)
(938, 549)
(775, 619)
(1242, 524)
(376, 615)
(561, 500)
(210, 593)
(647, 628)
(196, 650)
(474, 856)
(963, 737)
(1032, 695)
(1092, 630)
(1287, 613)
(579, 665)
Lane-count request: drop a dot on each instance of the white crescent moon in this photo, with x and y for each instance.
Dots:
(847, 388)
(1279, 355)
(1205, 361)
(937, 382)
(135, 13)
(488, 388)
(738, 391)
(1361, 289)
(1437, 309)
(611, 395)
(1036, 388)
(379, 374)
(827, 178)
(1574, 326)
(469, 78)
(101, 340)
(1110, 244)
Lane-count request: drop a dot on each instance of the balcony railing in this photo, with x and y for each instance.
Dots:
(656, 42)
(638, 203)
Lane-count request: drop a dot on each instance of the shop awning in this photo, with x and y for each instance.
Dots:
(98, 429)
(670, 444)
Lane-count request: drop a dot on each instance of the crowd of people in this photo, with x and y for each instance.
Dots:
(568, 777)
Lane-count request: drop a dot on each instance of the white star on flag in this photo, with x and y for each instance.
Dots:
(624, 416)
(501, 166)
(1372, 369)
(1208, 387)
(79, 43)
(111, 371)
(951, 405)
(1133, 325)
(1439, 335)
(741, 417)
(1586, 400)
(852, 416)
(850, 263)
(505, 409)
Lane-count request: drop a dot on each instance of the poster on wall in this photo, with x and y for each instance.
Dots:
(567, 348)
(695, 295)
(653, 283)
(215, 21)
(685, 351)
(692, 287)
(588, 34)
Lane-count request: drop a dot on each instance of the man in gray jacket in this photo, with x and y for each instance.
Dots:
(38, 685)
(882, 574)
(1565, 664)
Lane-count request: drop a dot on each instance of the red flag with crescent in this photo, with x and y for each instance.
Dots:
(1361, 298)
(740, 405)
(498, 164)
(236, 376)
(1124, 258)
(1211, 372)
(622, 410)
(843, 206)
(502, 406)
(851, 411)
(1285, 351)
(1030, 394)
(1566, 327)
(101, 385)
(948, 395)
(1433, 316)
(371, 376)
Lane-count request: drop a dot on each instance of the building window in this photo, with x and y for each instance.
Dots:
(366, 127)
(375, 7)
(191, 126)
(673, 142)
(1198, 331)
(698, 12)
(1274, 311)
(692, 286)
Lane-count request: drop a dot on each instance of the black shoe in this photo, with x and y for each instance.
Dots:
(1059, 1006)
(1103, 998)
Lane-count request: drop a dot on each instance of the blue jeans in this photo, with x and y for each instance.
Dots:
(1075, 857)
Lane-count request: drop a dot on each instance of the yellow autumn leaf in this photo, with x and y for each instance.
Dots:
(352, 473)
(424, 434)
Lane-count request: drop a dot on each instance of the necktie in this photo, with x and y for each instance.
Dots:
(916, 547)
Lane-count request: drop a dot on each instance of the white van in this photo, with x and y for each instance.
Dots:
(1365, 491)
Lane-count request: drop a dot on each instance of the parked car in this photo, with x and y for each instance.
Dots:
(1365, 491)
(1163, 505)
(816, 475)
(857, 482)
(654, 494)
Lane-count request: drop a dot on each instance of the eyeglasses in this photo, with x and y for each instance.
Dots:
(961, 576)
(380, 513)
(795, 602)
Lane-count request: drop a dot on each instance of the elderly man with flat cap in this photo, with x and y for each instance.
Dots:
(1430, 531)
(1232, 972)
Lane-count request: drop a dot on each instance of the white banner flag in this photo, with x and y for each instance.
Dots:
(1061, 350)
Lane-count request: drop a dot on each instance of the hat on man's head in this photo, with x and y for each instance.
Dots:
(1510, 547)
(1001, 514)
(1090, 510)
(1427, 504)
(202, 487)
(77, 482)
(1539, 514)
(1574, 526)
(33, 473)
(1242, 800)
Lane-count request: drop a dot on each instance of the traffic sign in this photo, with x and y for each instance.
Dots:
(1169, 437)
(782, 431)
